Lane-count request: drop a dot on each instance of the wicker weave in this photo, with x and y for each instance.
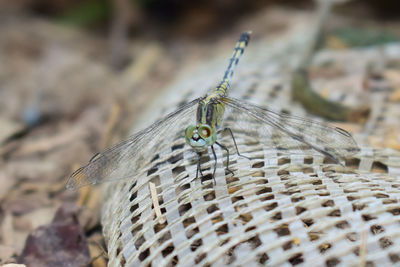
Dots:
(276, 209)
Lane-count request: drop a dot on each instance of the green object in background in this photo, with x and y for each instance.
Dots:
(359, 37)
(86, 13)
(302, 90)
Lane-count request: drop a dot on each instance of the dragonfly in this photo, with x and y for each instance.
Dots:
(201, 121)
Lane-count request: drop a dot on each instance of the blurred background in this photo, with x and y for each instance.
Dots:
(75, 74)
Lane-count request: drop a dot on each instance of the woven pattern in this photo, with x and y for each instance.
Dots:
(277, 209)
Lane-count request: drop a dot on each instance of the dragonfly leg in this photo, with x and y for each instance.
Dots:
(215, 164)
(234, 141)
(199, 166)
(227, 157)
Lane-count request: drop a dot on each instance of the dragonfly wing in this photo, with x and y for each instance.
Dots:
(288, 133)
(125, 159)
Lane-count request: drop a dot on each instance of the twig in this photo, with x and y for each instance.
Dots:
(363, 247)
(156, 205)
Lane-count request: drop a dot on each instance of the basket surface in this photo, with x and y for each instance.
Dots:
(277, 209)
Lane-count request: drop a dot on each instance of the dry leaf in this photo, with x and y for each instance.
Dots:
(9, 128)
(392, 76)
(48, 143)
(61, 243)
(96, 253)
(7, 230)
(395, 96)
(34, 219)
(6, 183)
(6, 252)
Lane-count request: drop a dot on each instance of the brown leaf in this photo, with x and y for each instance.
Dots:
(61, 243)
(96, 253)
(21, 204)
(7, 230)
(34, 219)
(6, 183)
(9, 128)
(48, 143)
(395, 96)
(6, 252)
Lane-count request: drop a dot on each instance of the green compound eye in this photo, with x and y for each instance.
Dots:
(189, 131)
(205, 131)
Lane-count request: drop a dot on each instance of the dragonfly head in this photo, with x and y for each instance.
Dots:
(200, 137)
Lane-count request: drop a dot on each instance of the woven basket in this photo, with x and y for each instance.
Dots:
(276, 210)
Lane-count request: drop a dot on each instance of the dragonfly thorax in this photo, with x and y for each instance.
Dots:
(201, 136)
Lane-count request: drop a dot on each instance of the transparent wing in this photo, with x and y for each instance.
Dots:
(125, 159)
(288, 133)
